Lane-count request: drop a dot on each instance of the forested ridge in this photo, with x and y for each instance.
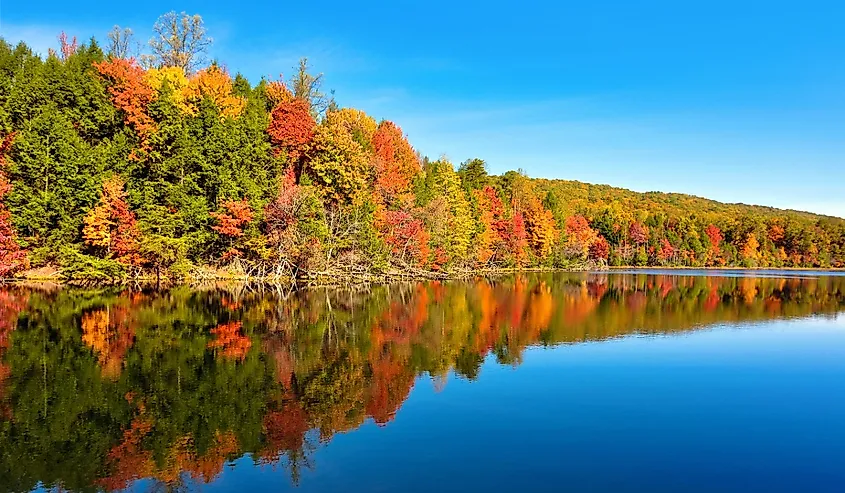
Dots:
(117, 163)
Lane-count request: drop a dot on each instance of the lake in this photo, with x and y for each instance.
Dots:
(631, 381)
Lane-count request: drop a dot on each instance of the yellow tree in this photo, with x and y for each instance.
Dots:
(337, 163)
(214, 83)
(360, 125)
(750, 247)
(448, 216)
(98, 226)
(176, 81)
(540, 226)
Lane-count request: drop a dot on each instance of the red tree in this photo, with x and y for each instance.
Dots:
(230, 340)
(638, 233)
(600, 249)
(406, 236)
(666, 251)
(12, 256)
(517, 239)
(396, 163)
(715, 236)
(291, 128)
(130, 93)
(232, 218)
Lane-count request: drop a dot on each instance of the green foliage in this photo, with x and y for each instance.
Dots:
(342, 195)
(79, 267)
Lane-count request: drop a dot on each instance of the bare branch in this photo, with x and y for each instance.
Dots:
(121, 43)
(180, 40)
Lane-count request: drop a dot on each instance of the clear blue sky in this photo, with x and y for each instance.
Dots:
(740, 101)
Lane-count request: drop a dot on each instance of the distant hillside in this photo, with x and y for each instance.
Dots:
(590, 199)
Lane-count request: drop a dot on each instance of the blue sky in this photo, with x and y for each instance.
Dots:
(739, 101)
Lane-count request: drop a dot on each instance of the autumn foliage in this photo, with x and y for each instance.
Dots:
(12, 257)
(232, 218)
(396, 164)
(192, 392)
(285, 182)
(229, 341)
(291, 127)
(111, 227)
(214, 83)
(130, 93)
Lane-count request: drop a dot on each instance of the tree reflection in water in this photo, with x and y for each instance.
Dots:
(99, 388)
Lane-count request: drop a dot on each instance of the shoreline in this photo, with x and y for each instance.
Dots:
(749, 269)
(358, 279)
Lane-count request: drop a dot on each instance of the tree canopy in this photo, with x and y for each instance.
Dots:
(312, 188)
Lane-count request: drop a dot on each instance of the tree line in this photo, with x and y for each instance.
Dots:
(117, 161)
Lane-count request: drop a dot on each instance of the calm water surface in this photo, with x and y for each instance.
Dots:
(554, 382)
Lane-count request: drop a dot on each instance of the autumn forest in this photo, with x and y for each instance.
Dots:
(119, 162)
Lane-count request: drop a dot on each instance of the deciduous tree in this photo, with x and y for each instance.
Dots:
(111, 227)
(130, 93)
(121, 43)
(396, 164)
(291, 128)
(12, 257)
(180, 40)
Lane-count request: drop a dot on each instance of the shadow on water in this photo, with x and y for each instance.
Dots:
(100, 388)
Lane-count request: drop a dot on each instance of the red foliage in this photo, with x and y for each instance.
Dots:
(391, 384)
(715, 236)
(516, 238)
(440, 258)
(578, 229)
(12, 256)
(67, 49)
(281, 213)
(576, 225)
(11, 305)
(284, 431)
(291, 128)
(125, 239)
(494, 227)
(638, 233)
(129, 460)
(112, 224)
(406, 236)
(130, 93)
(666, 250)
(230, 222)
(230, 339)
(495, 206)
(396, 163)
(600, 249)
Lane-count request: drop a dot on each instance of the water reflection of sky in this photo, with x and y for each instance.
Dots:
(797, 274)
(581, 381)
(735, 408)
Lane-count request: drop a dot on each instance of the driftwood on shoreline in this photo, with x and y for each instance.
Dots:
(259, 273)
(284, 278)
